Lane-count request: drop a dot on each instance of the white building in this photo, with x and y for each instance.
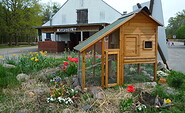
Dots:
(77, 20)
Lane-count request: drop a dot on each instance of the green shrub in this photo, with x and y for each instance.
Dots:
(176, 80)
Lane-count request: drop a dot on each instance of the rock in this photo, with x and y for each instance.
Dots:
(171, 91)
(67, 110)
(75, 81)
(9, 66)
(153, 84)
(22, 76)
(97, 92)
(144, 72)
(30, 94)
(142, 68)
(67, 81)
(85, 108)
(78, 88)
(132, 70)
(161, 66)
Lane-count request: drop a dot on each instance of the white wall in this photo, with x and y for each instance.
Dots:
(98, 12)
(158, 15)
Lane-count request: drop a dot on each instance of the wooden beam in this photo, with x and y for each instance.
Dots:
(103, 65)
(83, 69)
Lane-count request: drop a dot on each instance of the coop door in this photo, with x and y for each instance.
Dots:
(112, 69)
(131, 45)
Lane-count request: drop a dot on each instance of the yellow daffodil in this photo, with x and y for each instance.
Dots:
(167, 101)
(14, 55)
(25, 57)
(32, 58)
(36, 60)
(30, 53)
(35, 52)
(1, 57)
(44, 55)
(45, 52)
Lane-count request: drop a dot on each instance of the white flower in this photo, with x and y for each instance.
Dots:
(60, 99)
(51, 99)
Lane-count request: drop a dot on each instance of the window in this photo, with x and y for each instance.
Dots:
(48, 36)
(147, 44)
(82, 16)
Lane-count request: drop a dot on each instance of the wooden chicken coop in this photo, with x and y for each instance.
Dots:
(132, 39)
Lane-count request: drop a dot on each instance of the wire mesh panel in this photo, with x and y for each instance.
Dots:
(138, 73)
(94, 65)
(112, 68)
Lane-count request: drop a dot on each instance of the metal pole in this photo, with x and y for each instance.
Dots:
(81, 35)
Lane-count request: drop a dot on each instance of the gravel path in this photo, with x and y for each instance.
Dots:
(177, 57)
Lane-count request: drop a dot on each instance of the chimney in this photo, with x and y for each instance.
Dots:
(139, 5)
(124, 12)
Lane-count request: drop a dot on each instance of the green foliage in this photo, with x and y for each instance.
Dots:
(49, 10)
(176, 25)
(8, 77)
(125, 104)
(181, 32)
(176, 80)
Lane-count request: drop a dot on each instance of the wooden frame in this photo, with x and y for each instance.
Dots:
(107, 73)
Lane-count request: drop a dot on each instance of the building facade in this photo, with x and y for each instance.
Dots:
(74, 22)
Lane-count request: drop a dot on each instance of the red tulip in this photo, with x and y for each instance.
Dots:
(130, 89)
(66, 63)
(64, 70)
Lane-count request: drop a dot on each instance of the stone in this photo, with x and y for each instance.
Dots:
(171, 91)
(152, 84)
(132, 70)
(22, 77)
(97, 92)
(85, 108)
(78, 88)
(67, 110)
(161, 66)
(9, 66)
(30, 94)
(75, 81)
(144, 72)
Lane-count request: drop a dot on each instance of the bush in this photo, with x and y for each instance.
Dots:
(176, 80)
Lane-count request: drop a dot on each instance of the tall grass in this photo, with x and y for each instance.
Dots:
(8, 76)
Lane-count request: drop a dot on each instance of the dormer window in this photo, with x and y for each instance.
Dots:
(82, 16)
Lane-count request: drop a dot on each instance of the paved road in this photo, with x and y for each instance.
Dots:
(11, 51)
(177, 57)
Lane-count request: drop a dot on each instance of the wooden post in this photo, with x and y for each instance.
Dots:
(94, 60)
(138, 68)
(103, 66)
(83, 69)
(155, 71)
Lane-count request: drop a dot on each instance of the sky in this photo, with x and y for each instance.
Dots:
(170, 7)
